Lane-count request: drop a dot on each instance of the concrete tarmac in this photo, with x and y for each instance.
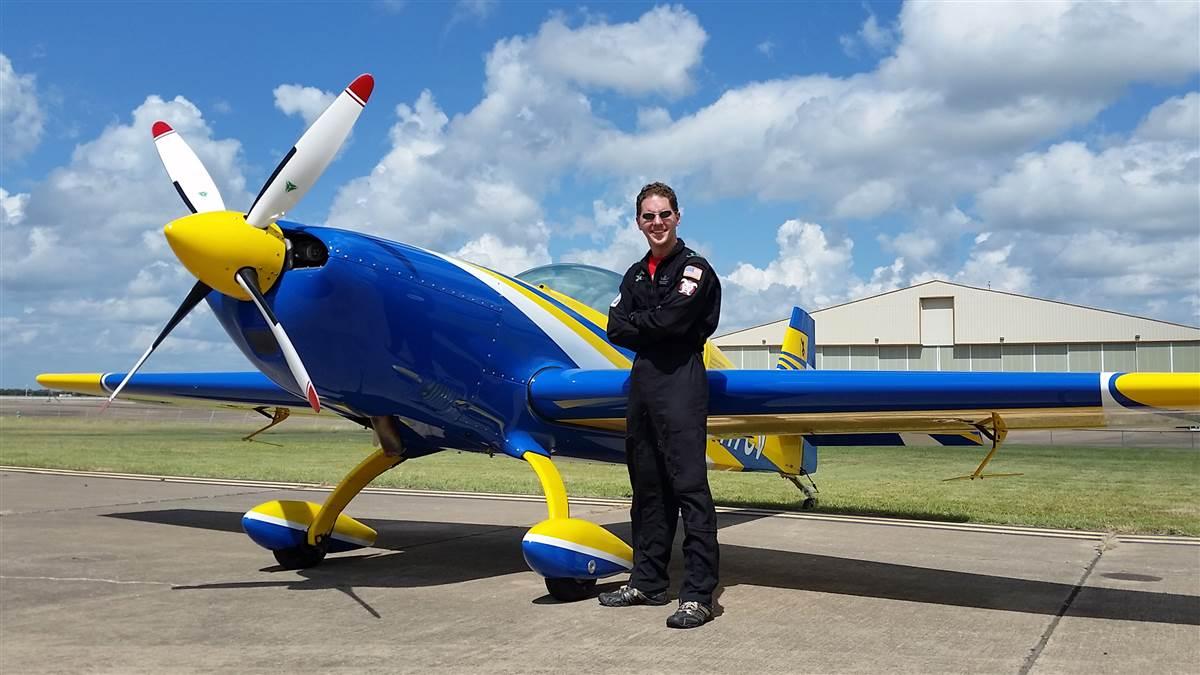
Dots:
(105, 574)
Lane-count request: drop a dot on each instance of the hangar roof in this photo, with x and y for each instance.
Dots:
(979, 316)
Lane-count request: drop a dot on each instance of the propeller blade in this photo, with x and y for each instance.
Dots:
(247, 278)
(198, 293)
(191, 179)
(306, 161)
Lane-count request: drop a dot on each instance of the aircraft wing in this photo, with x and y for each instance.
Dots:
(239, 389)
(745, 402)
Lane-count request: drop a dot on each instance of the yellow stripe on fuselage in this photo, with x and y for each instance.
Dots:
(595, 341)
(79, 383)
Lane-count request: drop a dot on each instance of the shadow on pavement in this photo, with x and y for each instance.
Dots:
(465, 552)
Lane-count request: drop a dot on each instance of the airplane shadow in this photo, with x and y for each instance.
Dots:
(426, 553)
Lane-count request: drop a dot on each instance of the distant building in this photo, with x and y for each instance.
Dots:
(938, 325)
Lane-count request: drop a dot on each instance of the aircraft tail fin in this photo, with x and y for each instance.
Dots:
(799, 343)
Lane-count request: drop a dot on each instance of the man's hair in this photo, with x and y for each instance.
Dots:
(660, 189)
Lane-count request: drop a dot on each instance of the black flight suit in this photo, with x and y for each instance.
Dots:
(666, 319)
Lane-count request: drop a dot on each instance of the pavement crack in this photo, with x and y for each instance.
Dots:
(8, 514)
(86, 579)
(1036, 652)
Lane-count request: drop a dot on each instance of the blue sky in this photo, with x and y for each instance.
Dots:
(822, 151)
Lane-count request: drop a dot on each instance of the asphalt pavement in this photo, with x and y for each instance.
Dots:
(111, 574)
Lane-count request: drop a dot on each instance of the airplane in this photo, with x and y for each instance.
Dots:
(434, 353)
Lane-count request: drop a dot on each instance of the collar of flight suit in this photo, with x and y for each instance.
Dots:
(666, 259)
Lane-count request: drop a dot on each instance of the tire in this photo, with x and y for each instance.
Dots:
(299, 557)
(571, 590)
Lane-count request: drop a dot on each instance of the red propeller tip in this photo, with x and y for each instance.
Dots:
(160, 127)
(362, 86)
(312, 398)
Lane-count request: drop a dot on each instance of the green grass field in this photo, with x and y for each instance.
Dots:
(1148, 491)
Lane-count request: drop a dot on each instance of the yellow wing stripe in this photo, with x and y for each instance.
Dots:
(1171, 391)
(80, 383)
(600, 345)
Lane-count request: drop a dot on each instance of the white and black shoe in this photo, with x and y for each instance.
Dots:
(691, 614)
(627, 596)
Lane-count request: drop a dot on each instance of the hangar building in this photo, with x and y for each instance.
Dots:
(938, 325)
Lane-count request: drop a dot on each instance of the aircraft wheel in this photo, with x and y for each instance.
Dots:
(571, 590)
(299, 557)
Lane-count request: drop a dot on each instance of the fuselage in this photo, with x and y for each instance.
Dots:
(391, 329)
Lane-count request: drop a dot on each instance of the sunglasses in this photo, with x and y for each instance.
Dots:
(661, 214)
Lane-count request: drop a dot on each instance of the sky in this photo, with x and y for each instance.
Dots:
(822, 152)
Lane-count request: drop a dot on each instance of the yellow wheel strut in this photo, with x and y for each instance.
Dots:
(552, 485)
(996, 433)
(351, 485)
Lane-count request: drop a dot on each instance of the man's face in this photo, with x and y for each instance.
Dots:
(659, 231)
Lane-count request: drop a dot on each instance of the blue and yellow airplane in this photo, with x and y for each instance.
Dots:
(434, 353)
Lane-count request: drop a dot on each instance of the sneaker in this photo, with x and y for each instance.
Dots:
(627, 596)
(691, 614)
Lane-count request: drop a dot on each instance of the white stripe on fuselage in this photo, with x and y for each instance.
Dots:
(577, 349)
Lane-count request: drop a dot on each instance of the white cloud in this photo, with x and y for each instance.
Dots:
(80, 252)
(875, 37)
(989, 51)
(12, 207)
(489, 251)
(810, 269)
(1146, 187)
(21, 116)
(649, 119)
(1176, 119)
(307, 102)
(766, 48)
(992, 267)
(655, 54)
(868, 200)
(623, 242)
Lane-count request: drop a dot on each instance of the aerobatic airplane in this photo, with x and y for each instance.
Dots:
(434, 353)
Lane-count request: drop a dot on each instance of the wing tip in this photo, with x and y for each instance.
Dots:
(79, 383)
(160, 127)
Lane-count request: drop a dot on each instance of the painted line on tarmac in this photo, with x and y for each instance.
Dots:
(624, 503)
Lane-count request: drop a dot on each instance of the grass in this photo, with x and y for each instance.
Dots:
(1148, 491)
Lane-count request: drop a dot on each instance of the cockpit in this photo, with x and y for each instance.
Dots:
(593, 286)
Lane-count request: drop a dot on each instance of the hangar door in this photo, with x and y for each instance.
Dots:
(937, 322)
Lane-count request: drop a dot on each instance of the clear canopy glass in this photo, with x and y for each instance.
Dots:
(593, 286)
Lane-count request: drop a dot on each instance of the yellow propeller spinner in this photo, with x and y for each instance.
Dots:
(215, 245)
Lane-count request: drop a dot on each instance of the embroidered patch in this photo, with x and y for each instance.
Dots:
(616, 301)
(693, 272)
(688, 287)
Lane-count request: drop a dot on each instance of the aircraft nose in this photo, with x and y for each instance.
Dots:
(215, 245)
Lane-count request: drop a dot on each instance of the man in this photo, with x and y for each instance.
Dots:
(670, 302)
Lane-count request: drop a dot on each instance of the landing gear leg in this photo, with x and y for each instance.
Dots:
(557, 506)
(995, 430)
(313, 550)
(810, 493)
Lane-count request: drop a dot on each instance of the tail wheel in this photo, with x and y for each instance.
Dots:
(299, 557)
(570, 590)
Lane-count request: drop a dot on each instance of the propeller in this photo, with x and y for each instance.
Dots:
(212, 242)
(307, 160)
(248, 279)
